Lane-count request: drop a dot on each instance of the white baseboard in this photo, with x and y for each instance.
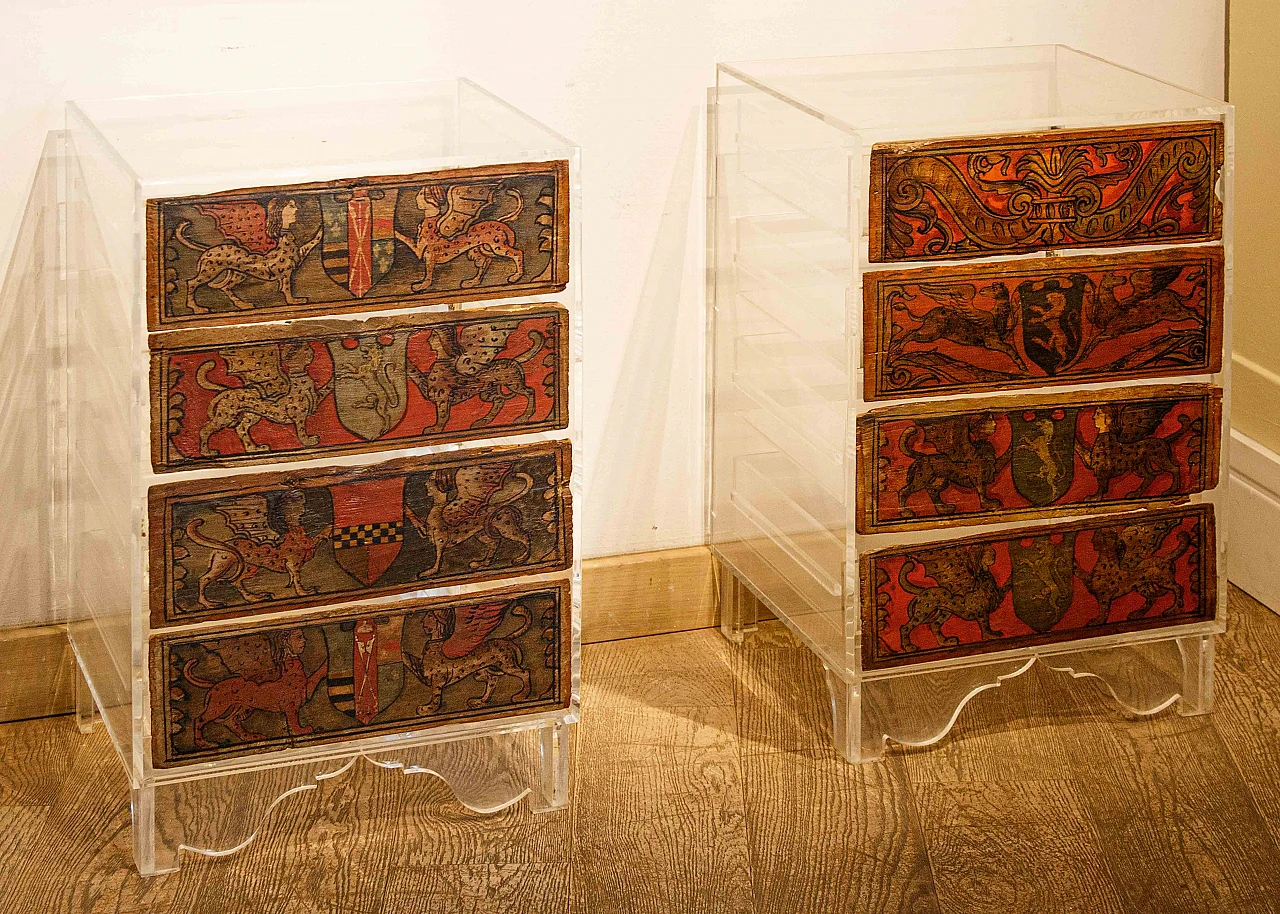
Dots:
(1253, 504)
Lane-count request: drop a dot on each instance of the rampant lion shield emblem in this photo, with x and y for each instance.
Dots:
(1043, 448)
(370, 382)
(1051, 321)
(1041, 578)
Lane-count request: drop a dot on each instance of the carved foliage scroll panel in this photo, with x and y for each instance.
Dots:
(1035, 457)
(246, 545)
(1068, 320)
(414, 665)
(232, 396)
(979, 196)
(360, 244)
(1040, 585)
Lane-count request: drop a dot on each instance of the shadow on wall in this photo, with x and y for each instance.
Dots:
(621, 503)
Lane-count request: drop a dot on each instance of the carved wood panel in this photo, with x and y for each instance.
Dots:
(1038, 585)
(258, 543)
(978, 196)
(248, 395)
(1064, 320)
(358, 244)
(957, 462)
(259, 687)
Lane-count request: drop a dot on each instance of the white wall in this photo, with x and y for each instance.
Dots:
(626, 80)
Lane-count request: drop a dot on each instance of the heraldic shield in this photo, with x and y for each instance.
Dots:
(366, 671)
(368, 526)
(1051, 321)
(1041, 578)
(1043, 453)
(370, 382)
(359, 236)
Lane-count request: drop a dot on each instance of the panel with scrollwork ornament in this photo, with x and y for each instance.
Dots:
(979, 196)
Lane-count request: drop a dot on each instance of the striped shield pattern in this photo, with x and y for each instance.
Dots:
(359, 237)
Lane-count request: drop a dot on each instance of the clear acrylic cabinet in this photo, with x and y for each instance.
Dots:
(322, 351)
(968, 392)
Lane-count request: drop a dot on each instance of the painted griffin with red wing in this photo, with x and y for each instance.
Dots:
(259, 245)
(450, 656)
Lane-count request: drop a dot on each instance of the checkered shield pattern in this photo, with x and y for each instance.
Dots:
(368, 534)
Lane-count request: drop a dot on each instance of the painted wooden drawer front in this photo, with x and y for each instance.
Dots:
(958, 462)
(1063, 320)
(978, 196)
(259, 687)
(266, 542)
(250, 395)
(1039, 585)
(360, 244)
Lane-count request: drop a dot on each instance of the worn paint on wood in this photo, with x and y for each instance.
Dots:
(1064, 320)
(1017, 193)
(245, 545)
(1039, 585)
(237, 691)
(358, 244)
(243, 395)
(933, 465)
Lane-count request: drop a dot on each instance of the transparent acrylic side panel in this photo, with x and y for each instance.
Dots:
(942, 93)
(919, 707)
(1220, 495)
(489, 126)
(780, 357)
(1086, 86)
(106, 360)
(572, 298)
(896, 91)
(31, 449)
(455, 124)
(221, 141)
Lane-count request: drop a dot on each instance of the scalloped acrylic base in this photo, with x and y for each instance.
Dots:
(218, 816)
(919, 709)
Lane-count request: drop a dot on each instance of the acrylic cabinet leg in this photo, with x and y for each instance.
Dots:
(553, 786)
(155, 849)
(1197, 675)
(87, 715)
(855, 741)
(739, 609)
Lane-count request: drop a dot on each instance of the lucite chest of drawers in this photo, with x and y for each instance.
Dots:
(969, 341)
(323, 423)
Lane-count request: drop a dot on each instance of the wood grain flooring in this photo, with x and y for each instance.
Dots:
(704, 781)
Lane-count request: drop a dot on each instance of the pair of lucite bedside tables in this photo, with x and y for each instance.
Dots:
(323, 410)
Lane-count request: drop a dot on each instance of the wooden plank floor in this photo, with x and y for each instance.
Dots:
(704, 781)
